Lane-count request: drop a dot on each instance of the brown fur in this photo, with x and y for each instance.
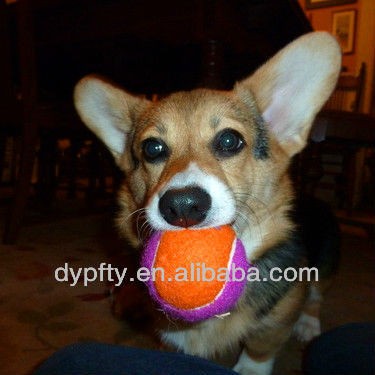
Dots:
(238, 173)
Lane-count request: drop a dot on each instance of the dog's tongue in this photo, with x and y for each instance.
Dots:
(193, 277)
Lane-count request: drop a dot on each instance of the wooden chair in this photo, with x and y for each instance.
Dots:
(39, 122)
(41, 31)
(330, 165)
(10, 118)
(348, 95)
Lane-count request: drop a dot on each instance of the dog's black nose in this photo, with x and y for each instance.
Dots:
(185, 207)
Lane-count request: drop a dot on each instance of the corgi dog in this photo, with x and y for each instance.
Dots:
(207, 158)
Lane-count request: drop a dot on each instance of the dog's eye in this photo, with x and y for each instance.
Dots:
(154, 150)
(228, 142)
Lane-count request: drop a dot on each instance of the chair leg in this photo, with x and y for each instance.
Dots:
(350, 174)
(46, 186)
(72, 173)
(3, 139)
(23, 184)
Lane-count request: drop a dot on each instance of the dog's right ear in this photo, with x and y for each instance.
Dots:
(107, 110)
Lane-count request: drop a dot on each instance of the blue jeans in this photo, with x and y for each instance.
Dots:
(105, 359)
(346, 350)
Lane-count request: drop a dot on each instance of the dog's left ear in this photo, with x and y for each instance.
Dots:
(293, 86)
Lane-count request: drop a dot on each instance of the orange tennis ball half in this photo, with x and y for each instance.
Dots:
(191, 271)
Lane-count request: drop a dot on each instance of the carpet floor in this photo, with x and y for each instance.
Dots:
(39, 314)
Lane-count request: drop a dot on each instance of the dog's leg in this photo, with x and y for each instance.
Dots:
(308, 324)
(258, 355)
(248, 366)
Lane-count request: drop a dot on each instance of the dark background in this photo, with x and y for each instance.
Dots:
(157, 46)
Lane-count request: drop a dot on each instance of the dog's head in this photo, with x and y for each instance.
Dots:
(206, 158)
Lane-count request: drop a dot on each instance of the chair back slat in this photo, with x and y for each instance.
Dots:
(348, 93)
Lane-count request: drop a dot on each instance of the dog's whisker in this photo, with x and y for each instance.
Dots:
(148, 231)
(244, 218)
(140, 218)
(139, 215)
(247, 213)
(145, 231)
(138, 211)
(254, 199)
(251, 196)
(247, 219)
(251, 211)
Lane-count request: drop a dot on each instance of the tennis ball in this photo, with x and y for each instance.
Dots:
(191, 271)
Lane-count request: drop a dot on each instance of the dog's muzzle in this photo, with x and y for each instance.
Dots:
(185, 207)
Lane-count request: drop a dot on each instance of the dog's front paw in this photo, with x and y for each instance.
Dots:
(247, 366)
(307, 327)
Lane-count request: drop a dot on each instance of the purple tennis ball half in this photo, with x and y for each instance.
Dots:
(223, 302)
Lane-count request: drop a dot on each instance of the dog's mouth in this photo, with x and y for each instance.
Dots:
(192, 199)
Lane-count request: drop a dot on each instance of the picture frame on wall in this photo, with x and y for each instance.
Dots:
(313, 4)
(343, 28)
